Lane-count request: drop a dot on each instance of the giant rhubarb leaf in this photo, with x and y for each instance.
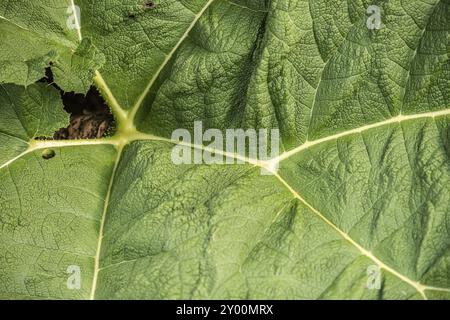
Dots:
(363, 182)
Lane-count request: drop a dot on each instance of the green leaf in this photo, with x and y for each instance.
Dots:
(35, 36)
(362, 187)
(27, 113)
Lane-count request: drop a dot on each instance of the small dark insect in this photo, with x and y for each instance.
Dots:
(47, 154)
(131, 16)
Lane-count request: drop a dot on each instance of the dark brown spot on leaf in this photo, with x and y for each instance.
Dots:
(149, 5)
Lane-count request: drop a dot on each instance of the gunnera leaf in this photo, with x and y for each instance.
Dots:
(356, 205)
(35, 36)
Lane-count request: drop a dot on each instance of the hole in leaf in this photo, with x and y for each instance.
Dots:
(90, 116)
